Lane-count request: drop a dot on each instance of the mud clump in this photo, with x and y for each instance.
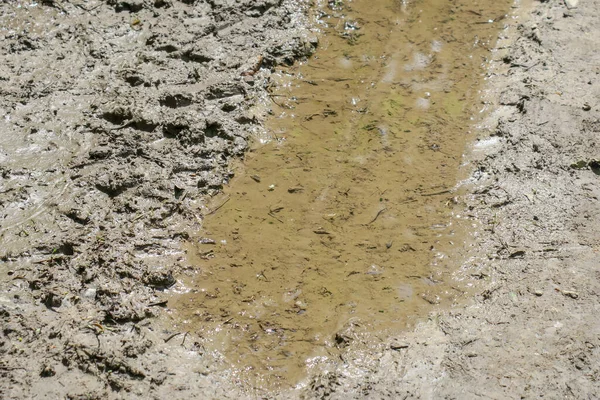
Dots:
(119, 118)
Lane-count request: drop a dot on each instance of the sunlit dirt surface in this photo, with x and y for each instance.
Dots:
(344, 224)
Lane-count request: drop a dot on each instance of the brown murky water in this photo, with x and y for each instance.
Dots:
(343, 224)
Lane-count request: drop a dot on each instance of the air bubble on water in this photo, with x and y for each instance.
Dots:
(375, 269)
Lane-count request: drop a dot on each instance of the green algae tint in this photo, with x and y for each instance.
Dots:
(341, 227)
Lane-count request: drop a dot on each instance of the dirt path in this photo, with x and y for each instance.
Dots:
(119, 116)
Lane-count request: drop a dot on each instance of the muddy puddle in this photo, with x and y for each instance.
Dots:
(344, 224)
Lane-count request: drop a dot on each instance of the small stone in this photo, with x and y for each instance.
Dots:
(571, 4)
(397, 345)
(47, 371)
(90, 294)
(301, 305)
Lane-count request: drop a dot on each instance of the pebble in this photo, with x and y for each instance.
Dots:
(571, 3)
(90, 294)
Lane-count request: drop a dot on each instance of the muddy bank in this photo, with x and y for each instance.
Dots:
(118, 118)
(532, 330)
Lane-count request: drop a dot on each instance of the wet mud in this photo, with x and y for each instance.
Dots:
(121, 119)
(117, 118)
(345, 224)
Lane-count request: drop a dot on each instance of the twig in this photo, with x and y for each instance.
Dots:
(272, 216)
(407, 201)
(159, 303)
(172, 336)
(86, 9)
(219, 207)
(278, 104)
(436, 193)
(526, 67)
(377, 216)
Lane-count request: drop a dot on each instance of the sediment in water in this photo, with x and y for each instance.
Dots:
(343, 226)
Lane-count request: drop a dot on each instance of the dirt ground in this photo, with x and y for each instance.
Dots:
(120, 117)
